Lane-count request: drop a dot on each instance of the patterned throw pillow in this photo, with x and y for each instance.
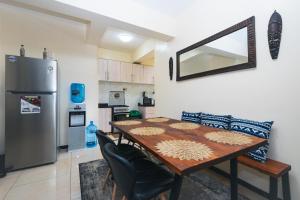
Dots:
(191, 117)
(254, 128)
(216, 121)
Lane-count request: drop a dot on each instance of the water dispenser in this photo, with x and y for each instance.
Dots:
(77, 92)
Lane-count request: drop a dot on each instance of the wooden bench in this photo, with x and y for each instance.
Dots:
(275, 170)
(272, 168)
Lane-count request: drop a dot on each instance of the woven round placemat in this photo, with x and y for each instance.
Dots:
(226, 137)
(158, 119)
(184, 149)
(184, 125)
(128, 123)
(147, 131)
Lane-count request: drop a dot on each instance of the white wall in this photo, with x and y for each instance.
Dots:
(147, 47)
(269, 92)
(77, 60)
(114, 55)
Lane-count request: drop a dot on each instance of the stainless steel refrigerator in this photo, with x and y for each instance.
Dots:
(30, 112)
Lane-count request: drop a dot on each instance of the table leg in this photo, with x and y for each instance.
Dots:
(233, 179)
(286, 187)
(176, 188)
(120, 138)
(273, 188)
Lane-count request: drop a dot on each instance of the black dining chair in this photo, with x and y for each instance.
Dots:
(134, 184)
(127, 151)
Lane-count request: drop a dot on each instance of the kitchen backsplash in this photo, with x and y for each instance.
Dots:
(133, 92)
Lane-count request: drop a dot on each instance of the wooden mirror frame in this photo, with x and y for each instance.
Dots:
(250, 24)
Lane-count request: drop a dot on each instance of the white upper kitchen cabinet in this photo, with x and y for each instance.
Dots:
(148, 75)
(102, 69)
(114, 71)
(137, 73)
(126, 72)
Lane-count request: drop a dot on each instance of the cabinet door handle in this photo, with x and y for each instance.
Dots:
(108, 76)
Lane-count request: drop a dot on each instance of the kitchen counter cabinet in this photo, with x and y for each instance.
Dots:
(105, 116)
(147, 111)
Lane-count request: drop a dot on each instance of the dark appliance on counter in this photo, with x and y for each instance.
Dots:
(147, 101)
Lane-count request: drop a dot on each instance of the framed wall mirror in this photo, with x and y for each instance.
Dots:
(229, 50)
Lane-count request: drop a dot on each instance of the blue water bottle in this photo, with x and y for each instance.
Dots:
(90, 133)
(77, 92)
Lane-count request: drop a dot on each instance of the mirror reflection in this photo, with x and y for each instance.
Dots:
(232, 49)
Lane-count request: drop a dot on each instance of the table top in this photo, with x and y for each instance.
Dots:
(220, 151)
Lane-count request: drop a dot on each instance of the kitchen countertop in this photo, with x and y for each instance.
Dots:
(141, 105)
(105, 105)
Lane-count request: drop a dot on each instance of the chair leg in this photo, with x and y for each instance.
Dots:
(234, 179)
(106, 178)
(175, 191)
(273, 188)
(286, 187)
(113, 195)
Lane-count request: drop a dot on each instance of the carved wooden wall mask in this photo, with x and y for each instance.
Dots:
(274, 34)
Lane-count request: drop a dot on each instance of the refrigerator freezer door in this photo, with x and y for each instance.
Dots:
(30, 130)
(24, 74)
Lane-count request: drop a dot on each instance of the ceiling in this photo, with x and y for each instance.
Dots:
(102, 29)
(110, 40)
(168, 7)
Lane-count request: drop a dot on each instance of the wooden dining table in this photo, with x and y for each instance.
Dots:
(220, 151)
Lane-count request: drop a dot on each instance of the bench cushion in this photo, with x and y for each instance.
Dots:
(270, 167)
(216, 121)
(254, 128)
(191, 117)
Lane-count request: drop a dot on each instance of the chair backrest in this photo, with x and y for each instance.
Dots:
(123, 171)
(103, 139)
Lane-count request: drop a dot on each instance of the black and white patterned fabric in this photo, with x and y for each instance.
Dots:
(191, 117)
(254, 128)
(216, 121)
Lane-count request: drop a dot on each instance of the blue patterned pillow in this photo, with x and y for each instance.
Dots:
(254, 128)
(191, 117)
(216, 121)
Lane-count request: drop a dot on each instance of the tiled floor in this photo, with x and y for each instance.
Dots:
(59, 181)
(54, 181)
